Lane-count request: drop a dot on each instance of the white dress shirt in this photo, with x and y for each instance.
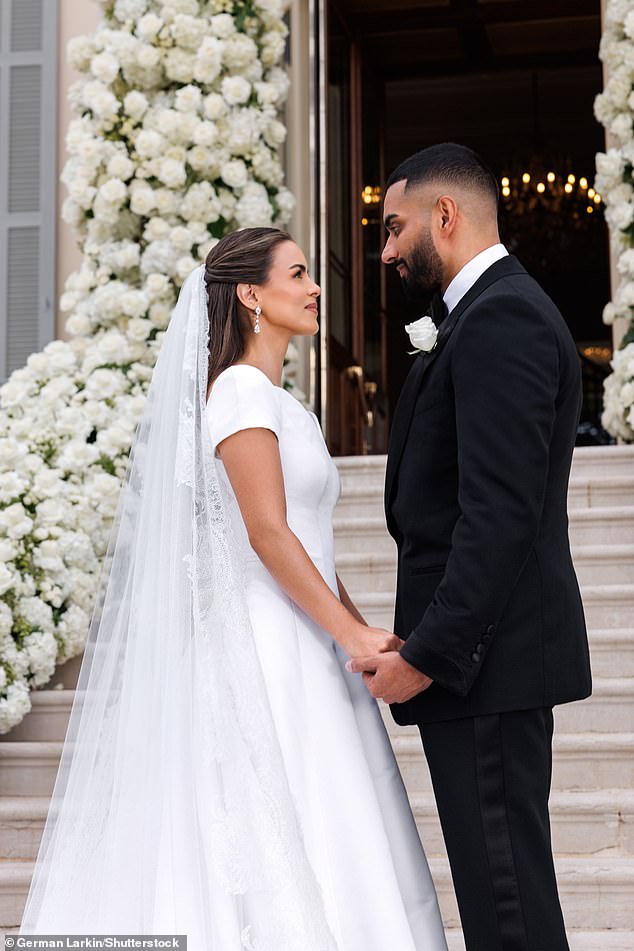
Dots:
(469, 274)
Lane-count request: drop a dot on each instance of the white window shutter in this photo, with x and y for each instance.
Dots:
(28, 178)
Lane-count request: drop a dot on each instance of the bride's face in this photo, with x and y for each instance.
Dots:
(289, 297)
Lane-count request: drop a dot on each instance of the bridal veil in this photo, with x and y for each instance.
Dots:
(171, 811)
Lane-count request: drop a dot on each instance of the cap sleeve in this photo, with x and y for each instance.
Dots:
(242, 397)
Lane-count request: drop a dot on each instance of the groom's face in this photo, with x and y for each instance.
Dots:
(410, 245)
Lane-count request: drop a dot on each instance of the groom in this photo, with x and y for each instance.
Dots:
(487, 600)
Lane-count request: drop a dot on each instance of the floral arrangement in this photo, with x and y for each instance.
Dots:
(614, 108)
(175, 143)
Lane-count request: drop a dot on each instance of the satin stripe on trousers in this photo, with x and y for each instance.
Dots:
(491, 777)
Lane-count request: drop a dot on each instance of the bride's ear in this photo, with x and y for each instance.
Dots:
(246, 296)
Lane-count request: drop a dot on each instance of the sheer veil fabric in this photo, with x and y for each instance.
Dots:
(171, 811)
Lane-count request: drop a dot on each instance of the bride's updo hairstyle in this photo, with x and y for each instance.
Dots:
(241, 257)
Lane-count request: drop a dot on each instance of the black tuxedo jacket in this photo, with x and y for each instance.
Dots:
(476, 500)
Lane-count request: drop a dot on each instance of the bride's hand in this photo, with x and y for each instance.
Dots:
(366, 641)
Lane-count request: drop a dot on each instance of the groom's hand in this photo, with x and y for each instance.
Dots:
(389, 678)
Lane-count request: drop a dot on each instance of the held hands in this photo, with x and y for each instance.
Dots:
(365, 641)
(386, 675)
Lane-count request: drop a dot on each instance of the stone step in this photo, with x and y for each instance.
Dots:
(608, 605)
(596, 892)
(598, 491)
(610, 525)
(29, 768)
(578, 940)
(47, 719)
(612, 651)
(589, 760)
(605, 606)
(362, 493)
(589, 463)
(581, 761)
(594, 564)
(21, 824)
(582, 822)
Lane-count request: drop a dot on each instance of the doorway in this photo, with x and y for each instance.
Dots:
(514, 80)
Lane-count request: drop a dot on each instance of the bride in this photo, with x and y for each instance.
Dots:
(223, 776)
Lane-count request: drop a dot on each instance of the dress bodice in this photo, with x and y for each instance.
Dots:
(243, 397)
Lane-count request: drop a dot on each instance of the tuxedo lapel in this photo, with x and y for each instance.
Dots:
(407, 400)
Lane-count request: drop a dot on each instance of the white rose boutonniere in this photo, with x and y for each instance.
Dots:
(423, 333)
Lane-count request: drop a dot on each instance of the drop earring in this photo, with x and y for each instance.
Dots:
(258, 311)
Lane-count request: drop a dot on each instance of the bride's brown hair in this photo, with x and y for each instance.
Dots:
(241, 257)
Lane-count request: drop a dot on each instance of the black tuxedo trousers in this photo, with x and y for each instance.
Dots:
(487, 599)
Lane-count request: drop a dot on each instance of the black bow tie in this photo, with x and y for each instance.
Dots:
(438, 309)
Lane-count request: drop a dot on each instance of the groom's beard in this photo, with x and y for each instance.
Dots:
(422, 276)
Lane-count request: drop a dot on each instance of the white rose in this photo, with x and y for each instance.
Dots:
(113, 191)
(147, 56)
(79, 52)
(142, 199)
(16, 391)
(622, 127)
(100, 100)
(423, 334)
(253, 210)
(104, 67)
(159, 314)
(235, 174)
(121, 167)
(285, 201)
(205, 133)
(76, 456)
(222, 25)
(133, 303)
(188, 99)
(235, 90)
(129, 9)
(272, 47)
(135, 104)
(172, 172)
(15, 520)
(156, 229)
(185, 265)
(138, 328)
(620, 216)
(180, 66)
(157, 285)
(149, 144)
(240, 50)
(148, 26)
(188, 31)
(7, 578)
(214, 106)
(208, 62)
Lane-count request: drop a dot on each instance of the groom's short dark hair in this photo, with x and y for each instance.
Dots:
(449, 164)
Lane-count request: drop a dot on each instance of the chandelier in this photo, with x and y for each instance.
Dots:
(539, 191)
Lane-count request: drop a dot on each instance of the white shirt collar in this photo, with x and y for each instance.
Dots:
(469, 274)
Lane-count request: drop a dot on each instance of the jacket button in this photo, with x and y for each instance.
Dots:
(490, 629)
(479, 648)
(475, 657)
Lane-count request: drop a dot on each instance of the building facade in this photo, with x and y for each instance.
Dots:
(369, 85)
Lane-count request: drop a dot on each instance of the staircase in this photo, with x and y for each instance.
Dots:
(592, 803)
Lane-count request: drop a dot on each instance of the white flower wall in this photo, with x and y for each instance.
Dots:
(614, 108)
(175, 143)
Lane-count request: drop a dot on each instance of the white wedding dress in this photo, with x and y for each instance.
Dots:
(357, 825)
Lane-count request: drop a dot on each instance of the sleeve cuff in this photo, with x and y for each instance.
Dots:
(441, 669)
